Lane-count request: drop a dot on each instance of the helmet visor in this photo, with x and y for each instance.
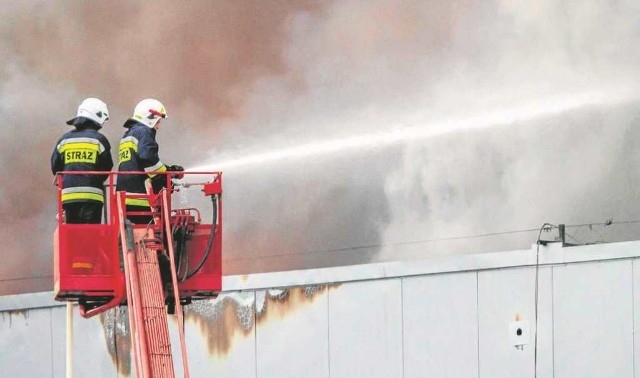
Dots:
(154, 113)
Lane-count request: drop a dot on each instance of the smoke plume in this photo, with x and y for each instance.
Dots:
(241, 78)
(201, 59)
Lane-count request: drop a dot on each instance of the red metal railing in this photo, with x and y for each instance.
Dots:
(87, 259)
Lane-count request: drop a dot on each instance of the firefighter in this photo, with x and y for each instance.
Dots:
(139, 152)
(83, 149)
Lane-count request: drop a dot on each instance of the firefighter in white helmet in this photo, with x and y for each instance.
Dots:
(83, 149)
(139, 152)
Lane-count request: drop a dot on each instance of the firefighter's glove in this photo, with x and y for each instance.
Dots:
(176, 168)
(158, 183)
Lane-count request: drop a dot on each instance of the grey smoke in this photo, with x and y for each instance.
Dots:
(238, 78)
(413, 63)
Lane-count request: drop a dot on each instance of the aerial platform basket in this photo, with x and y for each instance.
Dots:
(88, 266)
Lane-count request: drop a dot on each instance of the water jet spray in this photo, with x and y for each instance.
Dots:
(532, 110)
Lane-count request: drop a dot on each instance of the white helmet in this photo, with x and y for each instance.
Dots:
(94, 109)
(149, 111)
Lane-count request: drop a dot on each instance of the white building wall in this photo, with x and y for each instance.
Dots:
(440, 325)
(593, 319)
(26, 345)
(446, 317)
(365, 325)
(504, 295)
(221, 337)
(305, 329)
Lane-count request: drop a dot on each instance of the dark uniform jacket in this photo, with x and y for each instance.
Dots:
(138, 152)
(82, 149)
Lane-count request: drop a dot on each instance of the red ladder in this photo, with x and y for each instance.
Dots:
(148, 320)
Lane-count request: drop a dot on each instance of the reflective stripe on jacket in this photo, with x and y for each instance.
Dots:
(138, 152)
(82, 149)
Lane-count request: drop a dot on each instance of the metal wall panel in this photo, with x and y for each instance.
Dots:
(58, 341)
(502, 295)
(440, 325)
(26, 343)
(423, 325)
(365, 329)
(89, 339)
(545, 323)
(593, 319)
(292, 333)
(176, 350)
(220, 336)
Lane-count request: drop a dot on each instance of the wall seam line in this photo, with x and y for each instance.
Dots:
(402, 322)
(328, 331)
(51, 340)
(255, 329)
(478, 318)
(633, 320)
(553, 330)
